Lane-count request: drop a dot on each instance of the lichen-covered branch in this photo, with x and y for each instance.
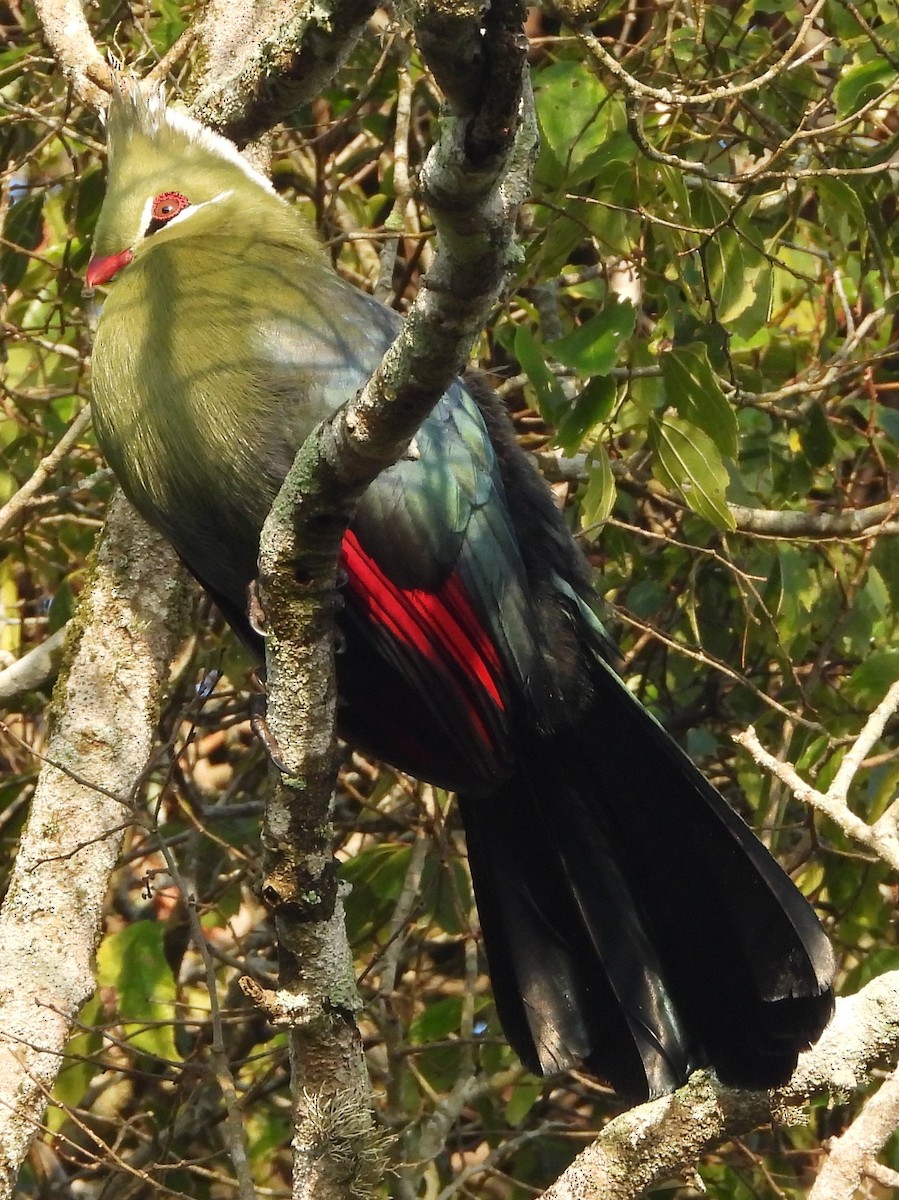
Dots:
(128, 625)
(874, 520)
(263, 58)
(659, 1140)
(69, 37)
(474, 182)
(852, 1152)
(881, 837)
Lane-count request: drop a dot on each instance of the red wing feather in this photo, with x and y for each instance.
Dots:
(440, 625)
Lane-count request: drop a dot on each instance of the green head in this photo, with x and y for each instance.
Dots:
(172, 178)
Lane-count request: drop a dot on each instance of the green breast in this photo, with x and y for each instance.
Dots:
(210, 367)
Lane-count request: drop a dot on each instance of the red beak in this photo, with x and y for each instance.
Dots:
(101, 270)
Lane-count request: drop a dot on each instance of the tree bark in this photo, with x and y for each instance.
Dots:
(128, 625)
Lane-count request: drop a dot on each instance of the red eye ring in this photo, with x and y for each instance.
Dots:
(168, 205)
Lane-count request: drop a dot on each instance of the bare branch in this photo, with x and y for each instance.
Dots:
(72, 43)
(659, 1140)
(24, 497)
(32, 670)
(883, 836)
(759, 174)
(129, 623)
(850, 1153)
(802, 523)
(237, 1138)
(266, 57)
(790, 58)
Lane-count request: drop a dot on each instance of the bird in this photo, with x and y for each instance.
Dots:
(634, 927)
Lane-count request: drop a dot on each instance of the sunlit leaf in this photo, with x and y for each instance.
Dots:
(569, 107)
(598, 498)
(592, 348)
(872, 679)
(688, 461)
(691, 386)
(132, 963)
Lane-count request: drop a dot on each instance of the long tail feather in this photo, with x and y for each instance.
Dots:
(633, 923)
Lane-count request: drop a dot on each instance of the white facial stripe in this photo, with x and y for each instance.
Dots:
(145, 217)
(184, 215)
(215, 143)
(192, 209)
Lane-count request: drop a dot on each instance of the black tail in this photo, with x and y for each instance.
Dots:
(633, 924)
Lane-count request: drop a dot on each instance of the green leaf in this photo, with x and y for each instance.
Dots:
(24, 227)
(688, 461)
(860, 84)
(592, 349)
(438, 1021)
(551, 400)
(77, 1070)
(10, 631)
(818, 442)
(841, 201)
(549, 253)
(62, 606)
(133, 963)
(605, 167)
(600, 493)
(732, 263)
(446, 895)
(377, 875)
(569, 106)
(88, 202)
(590, 408)
(872, 679)
(646, 598)
(734, 268)
(888, 421)
(525, 1094)
(691, 386)
(886, 558)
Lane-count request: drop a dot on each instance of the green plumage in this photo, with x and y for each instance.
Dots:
(632, 923)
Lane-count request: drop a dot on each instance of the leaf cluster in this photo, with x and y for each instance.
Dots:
(702, 323)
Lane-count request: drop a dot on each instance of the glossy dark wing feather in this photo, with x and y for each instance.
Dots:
(632, 924)
(437, 587)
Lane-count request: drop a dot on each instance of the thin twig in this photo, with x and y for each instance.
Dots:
(24, 497)
(790, 59)
(881, 837)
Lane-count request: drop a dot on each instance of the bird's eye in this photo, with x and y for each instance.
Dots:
(165, 207)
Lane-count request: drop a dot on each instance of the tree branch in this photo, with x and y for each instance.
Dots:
(883, 836)
(474, 184)
(801, 523)
(22, 500)
(850, 1153)
(264, 58)
(33, 669)
(128, 625)
(70, 40)
(657, 1141)
(634, 87)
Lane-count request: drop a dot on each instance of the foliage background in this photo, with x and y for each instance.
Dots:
(703, 322)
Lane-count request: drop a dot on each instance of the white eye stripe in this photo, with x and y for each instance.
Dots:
(147, 215)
